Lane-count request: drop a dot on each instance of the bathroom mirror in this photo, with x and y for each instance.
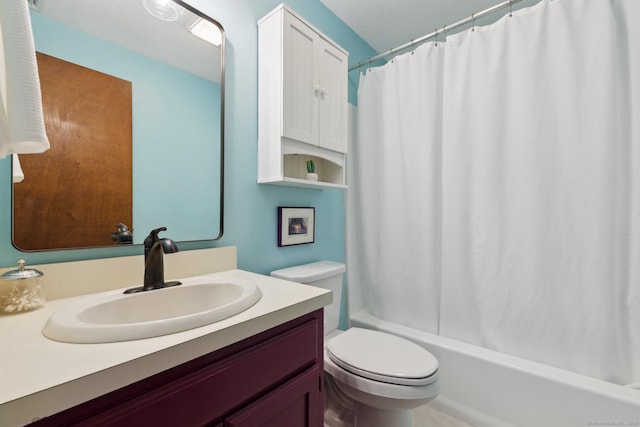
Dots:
(175, 82)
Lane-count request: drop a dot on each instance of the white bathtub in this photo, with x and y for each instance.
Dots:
(487, 388)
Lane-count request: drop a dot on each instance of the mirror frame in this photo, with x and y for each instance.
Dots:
(222, 152)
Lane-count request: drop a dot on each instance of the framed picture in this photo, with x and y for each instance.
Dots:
(296, 226)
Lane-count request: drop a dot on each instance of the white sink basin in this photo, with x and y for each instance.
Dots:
(111, 317)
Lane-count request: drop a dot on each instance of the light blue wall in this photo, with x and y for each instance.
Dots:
(250, 209)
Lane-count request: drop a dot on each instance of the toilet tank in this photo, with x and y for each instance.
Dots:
(323, 274)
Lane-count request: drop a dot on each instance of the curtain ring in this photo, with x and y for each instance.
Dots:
(510, 8)
(473, 22)
(436, 44)
(444, 32)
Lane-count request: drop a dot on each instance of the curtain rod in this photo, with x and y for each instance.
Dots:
(470, 19)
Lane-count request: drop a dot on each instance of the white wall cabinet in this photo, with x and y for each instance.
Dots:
(302, 102)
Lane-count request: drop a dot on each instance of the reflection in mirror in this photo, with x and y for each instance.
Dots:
(134, 112)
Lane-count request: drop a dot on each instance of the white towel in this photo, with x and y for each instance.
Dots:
(21, 119)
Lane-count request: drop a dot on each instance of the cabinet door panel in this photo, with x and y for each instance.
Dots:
(333, 98)
(296, 403)
(300, 108)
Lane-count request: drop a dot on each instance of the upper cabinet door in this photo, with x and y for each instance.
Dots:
(332, 96)
(300, 103)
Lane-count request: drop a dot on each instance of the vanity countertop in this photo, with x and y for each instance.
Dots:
(40, 377)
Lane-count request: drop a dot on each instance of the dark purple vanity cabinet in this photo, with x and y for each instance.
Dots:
(271, 379)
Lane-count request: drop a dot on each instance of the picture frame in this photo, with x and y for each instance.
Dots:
(296, 226)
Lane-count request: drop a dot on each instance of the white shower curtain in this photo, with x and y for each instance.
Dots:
(496, 181)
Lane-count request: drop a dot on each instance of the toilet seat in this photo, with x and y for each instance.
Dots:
(382, 357)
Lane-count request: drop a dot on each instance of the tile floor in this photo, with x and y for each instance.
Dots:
(427, 416)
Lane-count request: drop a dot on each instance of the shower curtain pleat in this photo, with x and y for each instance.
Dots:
(527, 194)
(396, 226)
(626, 12)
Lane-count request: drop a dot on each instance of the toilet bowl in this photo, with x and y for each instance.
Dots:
(372, 378)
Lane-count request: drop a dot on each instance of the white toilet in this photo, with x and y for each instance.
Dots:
(372, 378)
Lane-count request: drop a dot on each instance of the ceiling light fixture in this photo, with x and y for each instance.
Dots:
(207, 31)
(165, 10)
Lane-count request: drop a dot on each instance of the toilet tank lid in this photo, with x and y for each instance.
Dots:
(310, 272)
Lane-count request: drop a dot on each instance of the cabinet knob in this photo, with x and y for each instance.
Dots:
(320, 91)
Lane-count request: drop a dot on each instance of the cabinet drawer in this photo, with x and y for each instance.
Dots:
(208, 393)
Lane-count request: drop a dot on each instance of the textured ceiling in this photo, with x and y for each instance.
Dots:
(386, 24)
(383, 24)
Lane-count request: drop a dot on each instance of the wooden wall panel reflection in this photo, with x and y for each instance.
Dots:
(74, 194)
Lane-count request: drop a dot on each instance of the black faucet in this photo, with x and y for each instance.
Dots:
(154, 249)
